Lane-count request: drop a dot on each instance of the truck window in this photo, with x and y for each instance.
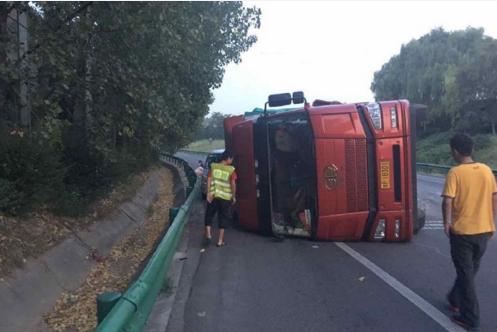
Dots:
(292, 171)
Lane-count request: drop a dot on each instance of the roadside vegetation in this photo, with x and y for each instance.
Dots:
(210, 134)
(206, 145)
(435, 149)
(455, 75)
(99, 89)
(75, 310)
(91, 94)
(29, 236)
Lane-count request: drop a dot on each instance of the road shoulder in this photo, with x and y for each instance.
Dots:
(168, 311)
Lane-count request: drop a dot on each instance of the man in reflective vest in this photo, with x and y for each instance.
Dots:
(221, 184)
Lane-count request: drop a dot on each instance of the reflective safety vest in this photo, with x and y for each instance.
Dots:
(220, 181)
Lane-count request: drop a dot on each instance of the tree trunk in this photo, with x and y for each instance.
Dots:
(23, 69)
(88, 73)
(3, 55)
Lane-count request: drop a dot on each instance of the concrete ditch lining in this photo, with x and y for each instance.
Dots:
(27, 293)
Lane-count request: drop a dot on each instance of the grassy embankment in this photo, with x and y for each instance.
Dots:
(206, 145)
(435, 149)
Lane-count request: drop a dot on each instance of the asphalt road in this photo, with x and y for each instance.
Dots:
(256, 284)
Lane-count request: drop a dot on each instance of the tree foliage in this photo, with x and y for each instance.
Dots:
(453, 73)
(113, 83)
(212, 127)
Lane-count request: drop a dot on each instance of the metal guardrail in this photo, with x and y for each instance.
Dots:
(131, 311)
(195, 152)
(443, 168)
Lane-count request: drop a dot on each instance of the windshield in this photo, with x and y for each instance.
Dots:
(292, 174)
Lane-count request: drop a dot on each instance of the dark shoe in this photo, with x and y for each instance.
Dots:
(222, 244)
(453, 308)
(462, 323)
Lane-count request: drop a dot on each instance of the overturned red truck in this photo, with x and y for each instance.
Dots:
(329, 171)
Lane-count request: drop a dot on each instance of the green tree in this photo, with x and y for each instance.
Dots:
(212, 127)
(425, 72)
(114, 83)
(476, 86)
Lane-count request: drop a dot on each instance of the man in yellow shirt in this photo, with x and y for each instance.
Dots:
(469, 211)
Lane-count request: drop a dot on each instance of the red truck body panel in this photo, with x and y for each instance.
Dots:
(340, 144)
(240, 133)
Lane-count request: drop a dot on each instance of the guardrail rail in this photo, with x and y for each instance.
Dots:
(131, 311)
(443, 168)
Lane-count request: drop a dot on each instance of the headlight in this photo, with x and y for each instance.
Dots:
(379, 233)
(393, 117)
(397, 228)
(374, 111)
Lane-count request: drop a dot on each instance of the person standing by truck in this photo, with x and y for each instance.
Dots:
(221, 186)
(469, 211)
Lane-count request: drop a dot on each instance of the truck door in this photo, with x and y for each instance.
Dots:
(292, 175)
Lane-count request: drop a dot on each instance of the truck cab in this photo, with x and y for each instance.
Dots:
(329, 171)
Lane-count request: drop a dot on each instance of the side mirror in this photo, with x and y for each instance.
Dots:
(298, 97)
(280, 99)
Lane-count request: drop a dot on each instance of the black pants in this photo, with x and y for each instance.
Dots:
(220, 207)
(466, 252)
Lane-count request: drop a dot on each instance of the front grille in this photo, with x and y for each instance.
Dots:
(356, 175)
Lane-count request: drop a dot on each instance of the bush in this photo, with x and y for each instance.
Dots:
(9, 197)
(30, 172)
(70, 203)
(482, 141)
(435, 149)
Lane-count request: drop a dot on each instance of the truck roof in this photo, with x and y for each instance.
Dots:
(259, 111)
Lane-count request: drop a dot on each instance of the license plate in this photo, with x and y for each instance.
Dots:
(384, 174)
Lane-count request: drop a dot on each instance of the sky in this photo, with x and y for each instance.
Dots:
(331, 49)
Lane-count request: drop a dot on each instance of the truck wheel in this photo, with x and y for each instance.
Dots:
(420, 221)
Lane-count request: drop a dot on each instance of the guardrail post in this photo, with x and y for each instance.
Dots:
(105, 303)
(189, 189)
(172, 214)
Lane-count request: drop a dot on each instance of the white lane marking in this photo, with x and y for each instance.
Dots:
(434, 225)
(417, 300)
(434, 222)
